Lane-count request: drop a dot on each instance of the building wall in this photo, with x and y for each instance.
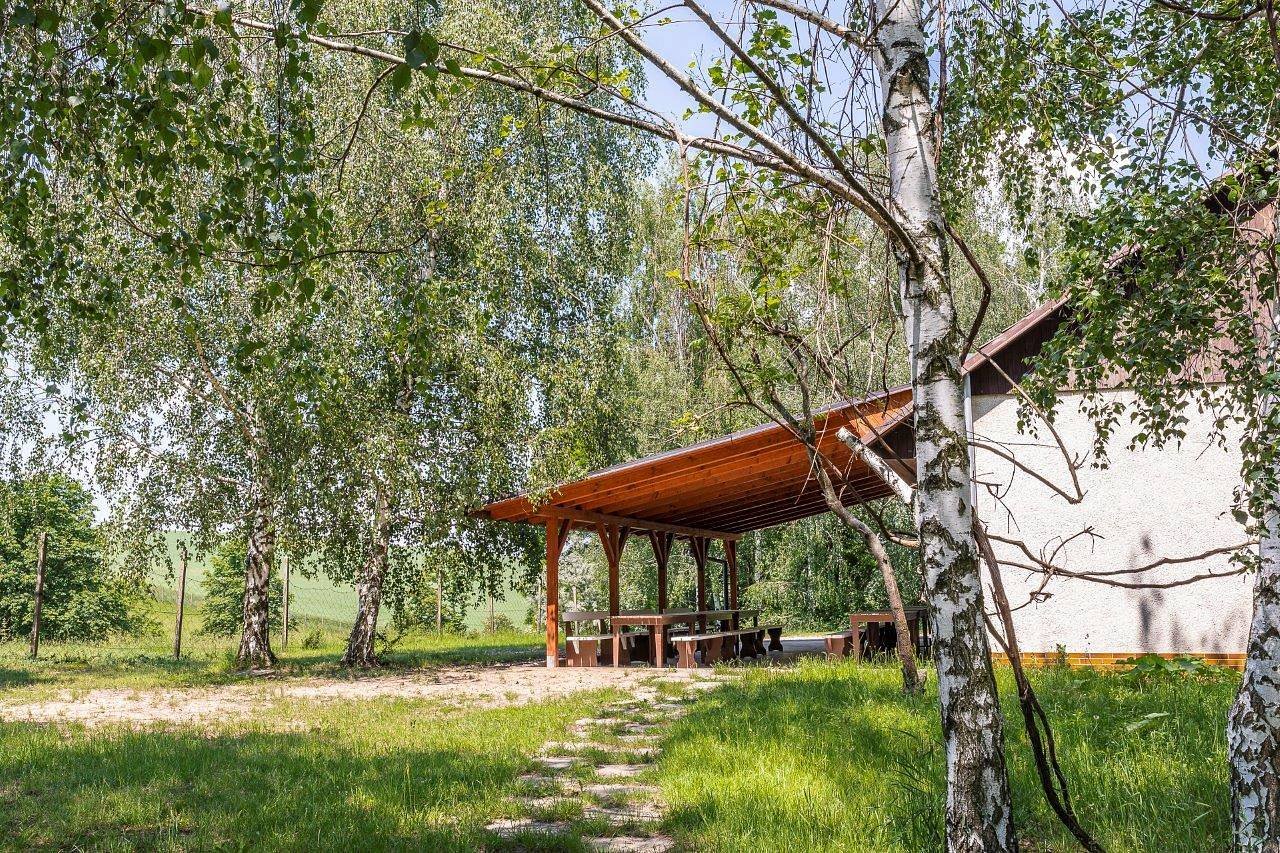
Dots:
(1147, 504)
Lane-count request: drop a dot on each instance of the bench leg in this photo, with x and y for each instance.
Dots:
(686, 656)
(710, 651)
(775, 639)
(834, 646)
(848, 646)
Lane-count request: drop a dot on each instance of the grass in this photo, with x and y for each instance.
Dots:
(315, 648)
(812, 757)
(368, 775)
(315, 598)
(831, 756)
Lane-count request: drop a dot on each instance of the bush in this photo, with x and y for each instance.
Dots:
(83, 598)
(222, 610)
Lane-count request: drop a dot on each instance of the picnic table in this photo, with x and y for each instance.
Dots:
(873, 619)
(658, 623)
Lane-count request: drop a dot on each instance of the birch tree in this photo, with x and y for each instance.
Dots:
(889, 110)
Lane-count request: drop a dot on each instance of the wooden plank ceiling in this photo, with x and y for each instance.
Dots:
(749, 480)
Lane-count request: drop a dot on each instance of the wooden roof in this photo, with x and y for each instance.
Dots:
(759, 477)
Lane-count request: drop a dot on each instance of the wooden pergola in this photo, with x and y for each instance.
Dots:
(712, 491)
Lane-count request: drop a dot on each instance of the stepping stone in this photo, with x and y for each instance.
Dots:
(638, 752)
(619, 771)
(597, 721)
(631, 844)
(508, 827)
(543, 803)
(617, 790)
(612, 790)
(556, 762)
(571, 746)
(622, 815)
(641, 738)
(640, 728)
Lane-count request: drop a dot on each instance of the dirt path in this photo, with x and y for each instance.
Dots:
(483, 686)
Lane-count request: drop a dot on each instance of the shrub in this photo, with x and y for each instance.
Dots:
(222, 610)
(84, 599)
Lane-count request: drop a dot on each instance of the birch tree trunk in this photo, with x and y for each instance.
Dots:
(360, 645)
(255, 636)
(979, 806)
(1253, 723)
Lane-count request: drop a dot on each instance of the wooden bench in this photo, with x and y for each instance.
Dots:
(584, 649)
(718, 645)
(712, 644)
(839, 644)
(775, 637)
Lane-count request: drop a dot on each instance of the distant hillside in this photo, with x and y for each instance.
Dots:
(317, 598)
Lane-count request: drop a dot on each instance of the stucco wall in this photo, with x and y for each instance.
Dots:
(1147, 504)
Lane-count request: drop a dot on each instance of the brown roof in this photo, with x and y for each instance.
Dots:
(748, 480)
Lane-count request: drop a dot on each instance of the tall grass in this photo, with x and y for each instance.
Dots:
(832, 756)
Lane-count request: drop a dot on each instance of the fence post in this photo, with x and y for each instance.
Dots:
(35, 617)
(490, 627)
(284, 639)
(182, 600)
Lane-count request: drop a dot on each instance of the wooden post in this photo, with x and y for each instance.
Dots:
(661, 543)
(284, 628)
(731, 562)
(613, 539)
(557, 532)
(490, 627)
(182, 599)
(35, 616)
(698, 546)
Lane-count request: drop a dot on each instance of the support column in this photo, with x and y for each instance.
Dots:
(731, 561)
(698, 545)
(557, 533)
(613, 539)
(661, 543)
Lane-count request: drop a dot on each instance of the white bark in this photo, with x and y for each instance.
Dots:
(360, 645)
(255, 637)
(979, 807)
(1253, 724)
(891, 478)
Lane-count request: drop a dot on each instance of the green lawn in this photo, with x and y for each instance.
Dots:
(315, 648)
(368, 775)
(828, 757)
(813, 757)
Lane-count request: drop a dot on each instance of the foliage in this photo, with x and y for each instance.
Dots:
(222, 605)
(84, 597)
(1149, 668)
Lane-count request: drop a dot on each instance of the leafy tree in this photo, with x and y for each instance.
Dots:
(84, 598)
(222, 587)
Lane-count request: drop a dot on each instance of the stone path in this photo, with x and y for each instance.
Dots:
(595, 785)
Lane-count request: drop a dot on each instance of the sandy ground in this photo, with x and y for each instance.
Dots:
(485, 686)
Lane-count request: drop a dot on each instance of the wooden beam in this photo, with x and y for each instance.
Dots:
(557, 533)
(548, 512)
(613, 539)
(731, 560)
(698, 546)
(661, 542)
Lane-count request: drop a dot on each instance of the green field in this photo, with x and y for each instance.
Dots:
(317, 598)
